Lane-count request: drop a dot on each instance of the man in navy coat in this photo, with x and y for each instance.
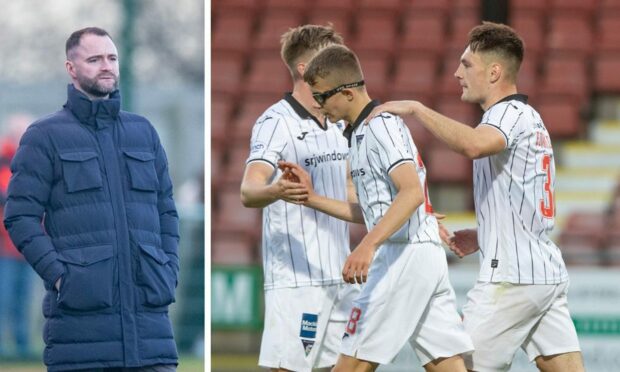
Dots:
(90, 207)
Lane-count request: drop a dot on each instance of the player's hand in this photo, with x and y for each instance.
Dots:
(288, 188)
(400, 108)
(465, 242)
(445, 235)
(356, 267)
(299, 175)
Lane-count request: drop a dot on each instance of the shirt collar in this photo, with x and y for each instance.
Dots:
(348, 131)
(301, 110)
(516, 97)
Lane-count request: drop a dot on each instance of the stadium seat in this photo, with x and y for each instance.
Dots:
(528, 81)
(414, 75)
(446, 166)
(586, 7)
(376, 68)
(376, 32)
(235, 6)
(340, 20)
(285, 5)
(423, 32)
(447, 84)
(221, 112)
(565, 75)
(272, 25)
(232, 249)
(452, 107)
(527, 6)
(606, 76)
(227, 70)
(232, 31)
(423, 139)
(348, 5)
(460, 6)
(608, 32)
(247, 116)
(571, 33)
(233, 218)
(268, 77)
(414, 6)
(560, 115)
(531, 28)
(581, 240)
(460, 24)
(608, 6)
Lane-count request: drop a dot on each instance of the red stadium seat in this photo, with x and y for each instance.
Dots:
(287, 5)
(531, 28)
(383, 5)
(268, 77)
(248, 114)
(460, 6)
(527, 80)
(233, 218)
(221, 112)
(447, 84)
(376, 68)
(446, 166)
(376, 32)
(273, 24)
(348, 5)
(527, 6)
(464, 112)
(422, 137)
(608, 5)
(461, 23)
(232, 31)
(423, 32)
(581, 240)
(415, 75)
(606, 76)
(232, 249)
(560, 115)
(570, 34)
(414, 6)
(608, 32)
(340, 20)
(227, 70)
(577, 6)
(235, 5)
(565, 75)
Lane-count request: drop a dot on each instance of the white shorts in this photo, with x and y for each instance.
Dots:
(501, 317)
(408, 297)
(304, 326)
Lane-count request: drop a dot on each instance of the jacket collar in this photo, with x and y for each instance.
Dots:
(348, 131)
(97, 113)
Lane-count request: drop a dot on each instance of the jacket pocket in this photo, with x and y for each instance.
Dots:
(155, 276)
(142, 172)
(81, 171)
(88, 278)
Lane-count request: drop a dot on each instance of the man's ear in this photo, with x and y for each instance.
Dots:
(70, 68)
(495, 72)
(301, 68)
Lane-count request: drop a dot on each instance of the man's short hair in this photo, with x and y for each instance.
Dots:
(74, 40)
(301, 43)
(337, 64)
(500, 39)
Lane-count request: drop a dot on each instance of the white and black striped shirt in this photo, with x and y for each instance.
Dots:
(513, 194)
(302, 247)
(375, 150)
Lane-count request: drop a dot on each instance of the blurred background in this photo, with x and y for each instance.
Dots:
(410, 49)
(161, 50)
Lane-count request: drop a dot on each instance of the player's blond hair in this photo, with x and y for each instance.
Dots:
(337, 64)
(301, 43)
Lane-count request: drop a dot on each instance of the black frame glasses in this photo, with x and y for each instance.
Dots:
(321, 98)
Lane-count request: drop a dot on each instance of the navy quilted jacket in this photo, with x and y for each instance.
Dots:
(90, 200)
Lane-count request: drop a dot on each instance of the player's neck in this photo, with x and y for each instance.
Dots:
(498, 95)
(358, 104)
(303, 95)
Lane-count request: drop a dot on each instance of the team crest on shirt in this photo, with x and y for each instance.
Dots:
(359, 138)
(309, 324)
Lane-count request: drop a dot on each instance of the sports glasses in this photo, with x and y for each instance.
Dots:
(320, 98)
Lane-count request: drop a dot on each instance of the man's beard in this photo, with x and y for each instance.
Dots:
(94, 88)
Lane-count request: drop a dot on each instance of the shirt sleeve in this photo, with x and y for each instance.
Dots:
(505, 118)
(269, 140)
(390, 135)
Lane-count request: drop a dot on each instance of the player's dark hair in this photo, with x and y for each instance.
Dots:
(74, 40)
(500, 39)
(305, 41)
